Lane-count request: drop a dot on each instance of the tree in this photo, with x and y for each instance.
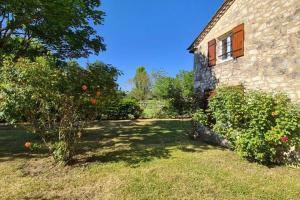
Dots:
(182, 94)
(178, 90)
(63, 27)
(57, 101)
(185, 80)
(141, 82)
(162, 87)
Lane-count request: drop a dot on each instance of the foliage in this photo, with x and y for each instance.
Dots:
(56, 101)
(179, 103)
(162, 87)
(126, 108)
(201, 117)
(63, 27)
(19, 47)
(178, 91)
(158, 109)
(261, 126)
(174, 96)
(227, 108)
(141, 82)
(276, 127)
(185, 81)
(100, 80)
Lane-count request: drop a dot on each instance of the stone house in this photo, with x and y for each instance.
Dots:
(253, 42)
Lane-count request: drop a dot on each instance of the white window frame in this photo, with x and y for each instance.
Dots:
(228, 38)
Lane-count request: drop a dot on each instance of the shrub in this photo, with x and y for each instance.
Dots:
(201, 117)
(126, 108)
(251, 142)
(130, 109)
(53, 99)
(228, 111)
(261, 126)
(178, 92)
(252, 145)
(273, 123)
(258, 111)
(158, 109)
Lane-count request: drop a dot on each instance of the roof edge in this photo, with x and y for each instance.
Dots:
(221, 11)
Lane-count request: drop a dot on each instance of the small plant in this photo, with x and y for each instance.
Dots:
(34, 147)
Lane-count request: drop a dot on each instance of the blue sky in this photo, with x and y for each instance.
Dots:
(151, 33)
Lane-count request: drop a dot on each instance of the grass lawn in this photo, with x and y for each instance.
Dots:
(139, 160)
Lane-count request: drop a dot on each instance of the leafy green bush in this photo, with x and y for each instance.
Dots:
(177, 91)
(127, 108)
(201, 117)
(251, 143)
(158, 109)
(261, 126)
(272, 129)
(61, 151)
(57, 101)
(228, 111)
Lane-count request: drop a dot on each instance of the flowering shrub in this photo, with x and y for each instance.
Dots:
(261, 126)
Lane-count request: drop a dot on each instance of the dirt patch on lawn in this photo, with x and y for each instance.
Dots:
(43, 166)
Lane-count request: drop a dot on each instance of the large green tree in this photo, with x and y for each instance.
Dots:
(141, 83)
(185, 81)
(178, 91)
(64, 27)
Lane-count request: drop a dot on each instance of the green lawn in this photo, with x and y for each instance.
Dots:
(139, 160)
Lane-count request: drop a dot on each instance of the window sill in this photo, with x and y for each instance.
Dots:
(226, 60)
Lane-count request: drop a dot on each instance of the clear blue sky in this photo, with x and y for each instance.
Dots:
(152, 33)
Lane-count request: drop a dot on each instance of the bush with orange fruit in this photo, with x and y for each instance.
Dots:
(57, 101)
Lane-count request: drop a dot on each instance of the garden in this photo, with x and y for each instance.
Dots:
(142, 159)
(69, 131)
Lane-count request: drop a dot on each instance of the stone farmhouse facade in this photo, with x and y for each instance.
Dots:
(250, 42)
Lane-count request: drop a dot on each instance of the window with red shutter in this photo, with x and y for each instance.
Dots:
(212, 53)
(238, 41)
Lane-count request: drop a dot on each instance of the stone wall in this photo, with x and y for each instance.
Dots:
(204, 134)
(272, 48)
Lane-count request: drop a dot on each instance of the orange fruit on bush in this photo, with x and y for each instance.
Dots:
(27, 145)
(93, 101)
(84, 88)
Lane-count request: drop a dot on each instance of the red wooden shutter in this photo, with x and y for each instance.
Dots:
(212, 53)
(238, 41)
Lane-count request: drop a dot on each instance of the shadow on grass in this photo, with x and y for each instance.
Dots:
(136, 142)
(132, 142)
(12, 142)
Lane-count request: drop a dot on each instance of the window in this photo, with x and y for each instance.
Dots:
(225, 47)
